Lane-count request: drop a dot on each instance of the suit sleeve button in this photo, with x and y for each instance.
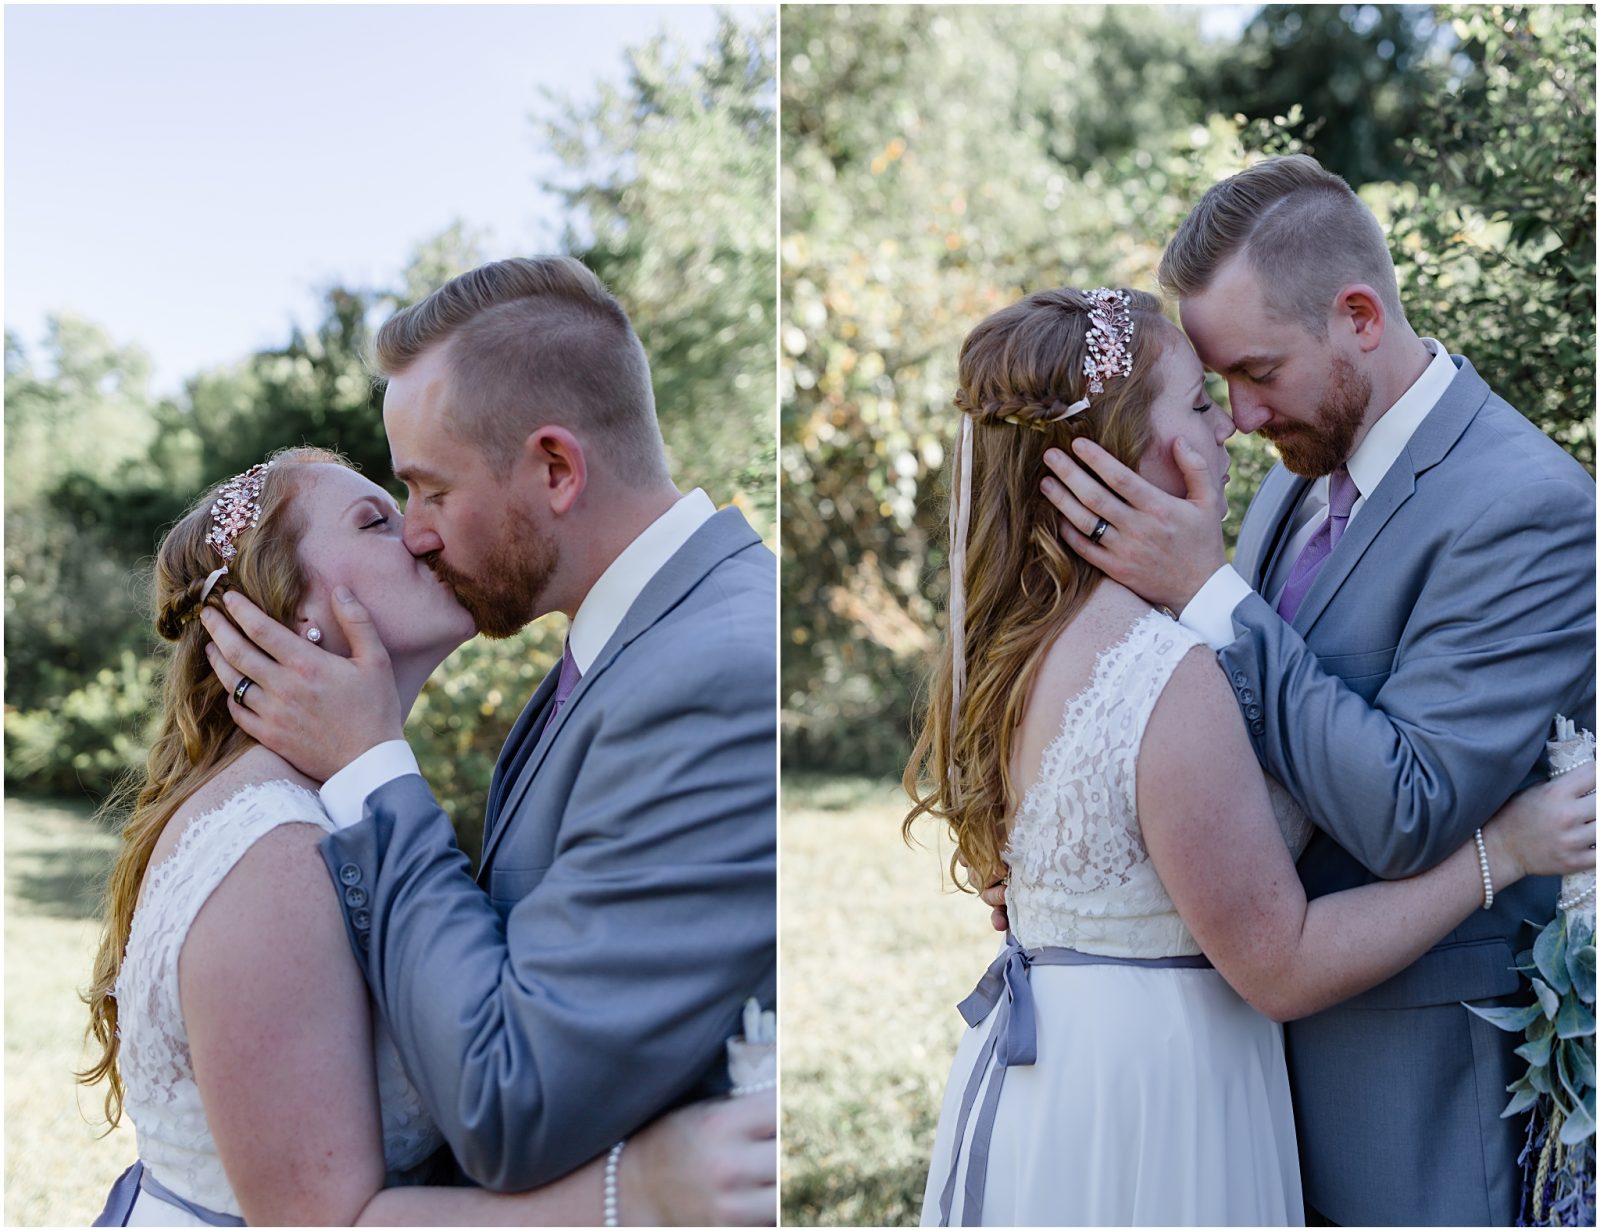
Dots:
(363, 921)
(355, 896)
(350, 874)
(1258, 728)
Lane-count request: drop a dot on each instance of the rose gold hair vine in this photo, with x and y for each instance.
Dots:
(236, 509)
(1110, 342)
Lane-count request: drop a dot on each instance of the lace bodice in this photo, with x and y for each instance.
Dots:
(1080, 875)
(162, 1098)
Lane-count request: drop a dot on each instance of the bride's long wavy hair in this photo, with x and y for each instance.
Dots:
(1023, 584)
(195, 736)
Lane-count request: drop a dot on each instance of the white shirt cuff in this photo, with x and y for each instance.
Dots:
(344, 796)
(1210, 611)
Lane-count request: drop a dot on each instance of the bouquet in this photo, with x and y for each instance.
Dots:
(753, 1056)
(1557, 1159)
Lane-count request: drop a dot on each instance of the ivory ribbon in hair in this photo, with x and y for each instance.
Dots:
(211, 580)
(960, 516)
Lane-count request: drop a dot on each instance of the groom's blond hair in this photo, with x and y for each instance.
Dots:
(1303, 230)
(533, 341)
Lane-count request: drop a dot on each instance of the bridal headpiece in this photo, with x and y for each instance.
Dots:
(236, 509)
(1108, 352)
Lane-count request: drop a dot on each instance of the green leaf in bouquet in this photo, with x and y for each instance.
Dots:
(1569, 1079)
(1575, 1019)
(1514, 1020)
(1524, 962)
(1549, 1002)
(1542, 1028)
(1539, 1079)
(1580, 964)
(1550, 954)
(1578, 1126)
(1581, 1059)
(1523, 1096)
(1537, 1051)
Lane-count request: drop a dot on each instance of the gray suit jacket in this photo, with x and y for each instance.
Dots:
(1408, 699)
(625, 906)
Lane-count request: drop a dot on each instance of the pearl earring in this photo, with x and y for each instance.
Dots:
(313, 634)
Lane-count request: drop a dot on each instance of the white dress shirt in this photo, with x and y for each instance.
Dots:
(1210, 611)
(598, 616)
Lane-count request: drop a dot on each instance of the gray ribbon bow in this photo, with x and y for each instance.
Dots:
(1014, 1040)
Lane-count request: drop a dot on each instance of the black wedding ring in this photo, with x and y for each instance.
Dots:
(241, 688)
(1100, 528)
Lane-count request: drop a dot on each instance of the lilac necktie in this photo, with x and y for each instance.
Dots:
(1342, 493)
(570, 676)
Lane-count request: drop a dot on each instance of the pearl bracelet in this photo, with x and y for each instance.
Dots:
(611, 1183)
(757, 1087)
(1483, 866)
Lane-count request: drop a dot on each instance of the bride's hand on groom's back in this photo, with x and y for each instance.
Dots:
(993, 895)
(1548, 830)
(710, 1164)
(313, 707)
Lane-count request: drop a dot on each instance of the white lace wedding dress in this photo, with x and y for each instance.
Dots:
(1157, 1095)
(162, 1099)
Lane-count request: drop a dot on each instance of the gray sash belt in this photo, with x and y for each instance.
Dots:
(119, 1204)
(1013, 1040)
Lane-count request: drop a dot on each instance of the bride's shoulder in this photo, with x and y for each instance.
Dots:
(259, 784)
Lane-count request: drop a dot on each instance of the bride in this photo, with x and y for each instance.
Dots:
(232, 1021)
(1126, 1065)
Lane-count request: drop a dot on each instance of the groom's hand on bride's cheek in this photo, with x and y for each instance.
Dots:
(316, 709)
(1162, 547)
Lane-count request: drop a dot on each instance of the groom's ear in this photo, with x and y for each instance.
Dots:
(554, 461)
(1359, 309)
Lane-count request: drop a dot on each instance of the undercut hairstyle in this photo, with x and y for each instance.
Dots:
(1304, 232)
(531, 342)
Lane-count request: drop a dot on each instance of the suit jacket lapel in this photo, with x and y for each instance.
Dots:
(724, 534)
(1435, 436)
(1279, 497)
(514, 754)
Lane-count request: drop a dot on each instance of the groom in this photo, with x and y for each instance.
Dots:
(1410, 603)
(625, 906)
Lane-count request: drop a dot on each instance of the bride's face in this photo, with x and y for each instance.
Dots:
(353, 537)
(1182, 411)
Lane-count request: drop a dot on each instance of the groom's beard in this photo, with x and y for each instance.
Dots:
(1312, 451)
(503, 595)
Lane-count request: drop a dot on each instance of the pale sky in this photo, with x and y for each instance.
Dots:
(190, 176)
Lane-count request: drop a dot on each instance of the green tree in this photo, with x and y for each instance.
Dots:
(1496, 252)
(939, 163)
(670, 183)
(1360, 74)
(79, 415)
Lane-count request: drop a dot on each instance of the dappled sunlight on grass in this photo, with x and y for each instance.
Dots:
(58, 1166)
(877, 950)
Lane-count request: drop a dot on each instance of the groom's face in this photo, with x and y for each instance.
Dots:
(1296, 389)
(463, 518)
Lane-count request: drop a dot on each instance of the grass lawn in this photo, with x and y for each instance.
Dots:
(58, 1166)
(876, 951)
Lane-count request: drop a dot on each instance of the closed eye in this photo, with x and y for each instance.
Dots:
(377, 521)
(1200, 410)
